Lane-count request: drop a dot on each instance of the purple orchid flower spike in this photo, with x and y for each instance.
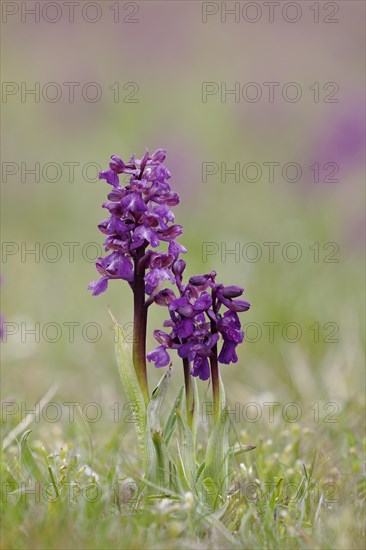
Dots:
(197, 326)
(140, 219)
(196, 322)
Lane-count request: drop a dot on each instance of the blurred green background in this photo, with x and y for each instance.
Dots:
(169, 52)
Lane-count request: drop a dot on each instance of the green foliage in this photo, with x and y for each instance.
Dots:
(275, 499)
(186, 454)
(158, 463)
(302, 487)
(172, 417)
(130, 384)
(27, 460)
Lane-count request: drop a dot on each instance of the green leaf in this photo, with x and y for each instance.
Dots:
(211, 491)
(213, 520)
(156, 401)
(158, 466)
(172, 419)
(216, 464)
(217, 454)
(199, 472)
(242, 449)
(130, 383)
(186, 453)
(27, 460)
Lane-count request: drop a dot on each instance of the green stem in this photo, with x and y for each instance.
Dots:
(139, 328)
(189, 392)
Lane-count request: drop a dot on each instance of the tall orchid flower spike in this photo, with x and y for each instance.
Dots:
(140, 219)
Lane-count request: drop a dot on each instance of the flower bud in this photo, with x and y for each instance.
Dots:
(198, 280)
(232, 291)
(178, 267)
(238, 305)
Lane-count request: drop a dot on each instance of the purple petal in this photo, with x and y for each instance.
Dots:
(110, 176)
(203, 303)
(163, 338)
(201, 368)
(155, 277)
(134, 204)
(117, 194)
(185, 351)
(227, 354)
(160, 357)
(99, 286)
(160, 260)
(176, 248)
(182, 306)
(164, 297)
(172, 233)
(146, 233)
(184, 328)
(159, 155)
(117, 164)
